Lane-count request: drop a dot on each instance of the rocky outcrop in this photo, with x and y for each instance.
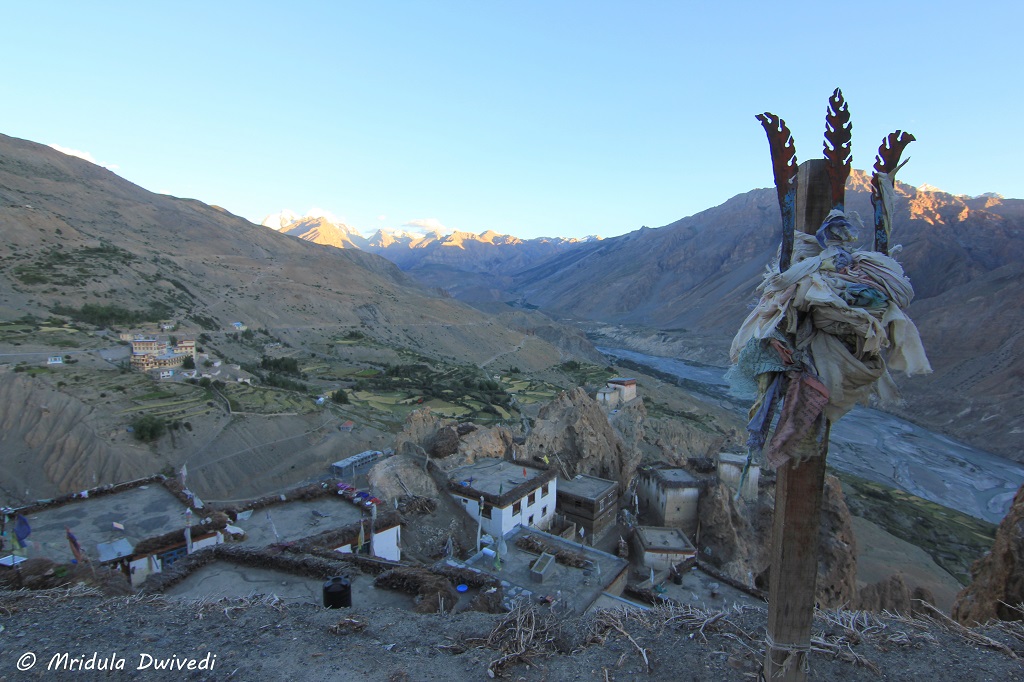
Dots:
(891, 594)
(677, 440)
(735, 537)
(574, 433)
(837, 548)
(400, 475)
(629, 423)
(481, 442)
(419, 429)
(997, 579)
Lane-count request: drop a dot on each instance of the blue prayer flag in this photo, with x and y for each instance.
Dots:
(21, 528)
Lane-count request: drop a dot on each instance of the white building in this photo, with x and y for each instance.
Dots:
(730, 472)
(511, 494)
(617, 391)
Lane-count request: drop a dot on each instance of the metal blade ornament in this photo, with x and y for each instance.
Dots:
(783, 151)
(883, 181)
(838, 136)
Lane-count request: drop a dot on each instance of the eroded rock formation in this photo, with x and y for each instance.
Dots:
(997, 584)
(735, 536)
(574, 433)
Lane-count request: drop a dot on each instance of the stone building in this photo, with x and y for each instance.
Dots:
(589, 502)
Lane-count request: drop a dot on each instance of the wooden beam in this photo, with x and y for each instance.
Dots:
(798, 492)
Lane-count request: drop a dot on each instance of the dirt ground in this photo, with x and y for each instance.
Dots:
(266, 639)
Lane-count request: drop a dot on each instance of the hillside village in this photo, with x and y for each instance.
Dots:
(582, 528)
(446, 526)
(361, 443)
(538, 534)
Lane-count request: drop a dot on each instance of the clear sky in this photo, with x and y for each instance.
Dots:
(556, 118)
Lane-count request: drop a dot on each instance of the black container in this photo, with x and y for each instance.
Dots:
(338, 592)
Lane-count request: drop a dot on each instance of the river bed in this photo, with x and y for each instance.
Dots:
(880, 447)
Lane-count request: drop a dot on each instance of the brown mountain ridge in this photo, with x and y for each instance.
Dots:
(695, 279)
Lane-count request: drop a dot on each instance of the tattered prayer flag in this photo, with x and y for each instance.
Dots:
(524, 472)
(188, 539)
(16, 546)
(21, 528)
(118, 526)
(76, 548)
(362, 538)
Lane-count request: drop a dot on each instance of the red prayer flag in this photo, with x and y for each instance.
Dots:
(76, 548)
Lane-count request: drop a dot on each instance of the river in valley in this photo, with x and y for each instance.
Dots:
(880, 447)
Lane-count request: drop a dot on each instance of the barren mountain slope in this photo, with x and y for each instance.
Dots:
(75, 233)
(696, 279)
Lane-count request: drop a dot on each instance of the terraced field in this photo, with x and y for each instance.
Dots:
(528, 392)
(169, 401)
(259, 400)
(954, 540)
(63, 337)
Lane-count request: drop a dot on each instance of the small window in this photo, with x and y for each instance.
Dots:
(577, 503)
(543, 511)
(533, 498)
(544, 490)
(517, 507)
(487, 511)
(531, 520)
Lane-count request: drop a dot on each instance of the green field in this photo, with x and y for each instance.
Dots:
(954, 540)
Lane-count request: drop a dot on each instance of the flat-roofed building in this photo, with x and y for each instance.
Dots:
(661, 547)
(150, 353)
(730, 472)
(626, 387)
(616, 392)
(589, 502)
(534, 565)
(117, 530)
(511, 494)
(669, 497)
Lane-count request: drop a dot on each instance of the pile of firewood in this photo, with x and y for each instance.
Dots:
(433, 592)
(562, 556)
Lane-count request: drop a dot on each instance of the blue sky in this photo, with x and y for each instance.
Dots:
(527, 118)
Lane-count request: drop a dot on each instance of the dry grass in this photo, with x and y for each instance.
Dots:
(523, 634)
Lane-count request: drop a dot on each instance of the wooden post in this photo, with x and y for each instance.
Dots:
(798, 492)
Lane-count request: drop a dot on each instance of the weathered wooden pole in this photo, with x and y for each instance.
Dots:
(798, 492)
